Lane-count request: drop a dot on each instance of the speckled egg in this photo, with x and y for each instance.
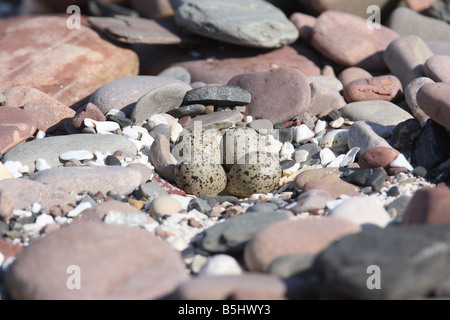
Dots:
(201, 178)
(237, 142)
(198, 146)
(259, 173)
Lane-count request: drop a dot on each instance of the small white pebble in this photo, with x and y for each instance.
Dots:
(130, 133)
(301, 156)
(401, 162)
(302, 133)
(2, 258)
(336, 163)
(219, 265)
(326, 156)
(79, 208)
(320, 126)
(43, 220)
(248, 119)
(77, 155)
(175, 130)
(40, 135)
(21, 213)
(292, 169)
(337, 123)
(286, 151)
(115, 112)
(35, 208)
(158, 119)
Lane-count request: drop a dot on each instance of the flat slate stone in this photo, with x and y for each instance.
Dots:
(138, 30)
(252, 23)
(217, 120)
(232, 234)
(50, 148)
(222, 96)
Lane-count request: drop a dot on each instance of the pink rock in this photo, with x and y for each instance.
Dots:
(220, 71)
(278, 95)
(387, 88)
(20, 193)
(438, 68)
(66, 64)
(345, 39)
(112, 261)
(170, 188)
(88, 111)
(162, 159)
(8, 249)
(310, 235)
(353, 73)
(434, 100)
(429, 206)
(379, 157)
(305, 25)
(49, 118)
(16, 126)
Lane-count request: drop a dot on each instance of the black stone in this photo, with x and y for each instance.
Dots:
(190, 110)
(284, 134)
(221, 96)
(432, 147)
(122, 121)
(199, 205)
(332, 115)
(405, 133)
(412, 262)
(112, 161)
(374, 178)
(393, 191)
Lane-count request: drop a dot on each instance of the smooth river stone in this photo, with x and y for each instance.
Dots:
(411, 98)
(345, 39)
(405, 58)
(438, 68)
(50, 148)
(254, 23)
(388, 88)
(381, 112)
(122, 94)
(278, 95)
(16, 126)
(120, 180)
(434, 100)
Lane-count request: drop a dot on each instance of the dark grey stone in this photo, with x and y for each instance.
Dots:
(432, 147)
(286, 164)
(263, 207)
(314, 153)
(393, 191)
(440, 10)
(108, 9)
(283, 134)
(221, 96)
(112, 161)
(405, 133)
(232, 234)
(374, 178)
(189, 110)
(332, 115)
(412, 261)
(122, 121)
(4, 228)
(149, 191)
(420, 171)
(219, 199)
(199, 205)
(398, 207)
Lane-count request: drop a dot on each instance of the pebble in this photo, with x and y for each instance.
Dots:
(157, 101)
(223, 96)
(176, 72)
(305, 25)
(351, 74)
(76, 154)
(428, 206)
(162, 159)
(388, 88)
(362, 135)
(379, 111)
(258, 24)
(438, 68)
(336, 139)
(310, 235)
(378, 157)
(88, 111)
(150, 191)
(345, 39)
(232, 234)
(123, 94)
(312, 200)
(137, 255)
(374, 178)
(392, 250)
(324, 99)
(411, 98)
(120, 180)
(16, 126)
(277, 95)
(216, 120)
(334, 185)
(366, 212)
(191, 110)
(165, 205)
(326, 156)
(220, 265)
(433, 100)
(405, 58)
